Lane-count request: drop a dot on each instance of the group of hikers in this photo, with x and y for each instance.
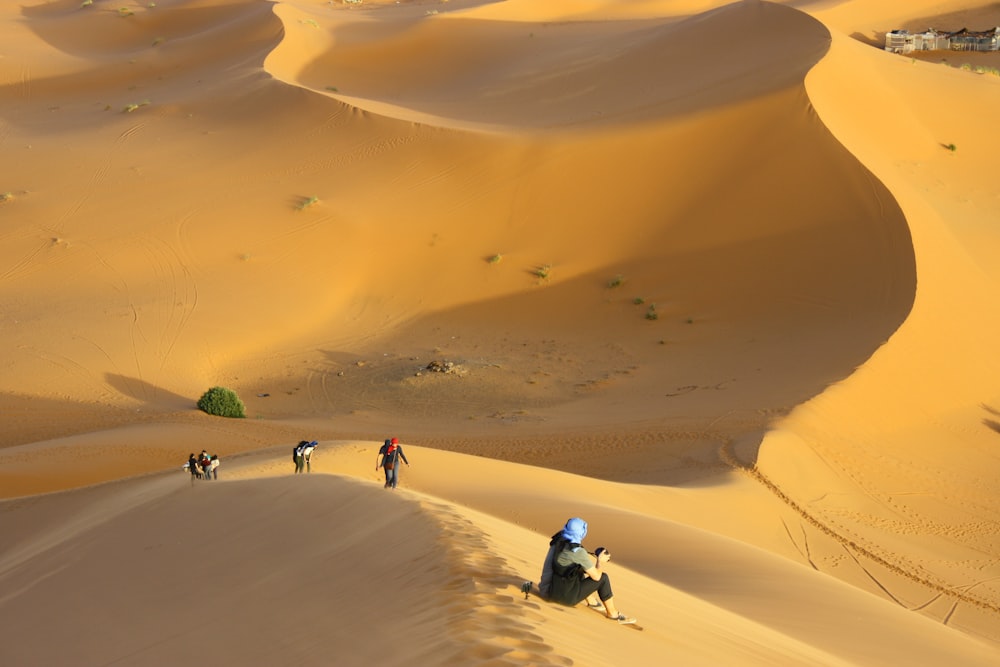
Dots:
(570, 574)
(388, 458)
(203, 466)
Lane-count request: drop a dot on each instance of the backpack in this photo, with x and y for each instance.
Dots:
(566, 579)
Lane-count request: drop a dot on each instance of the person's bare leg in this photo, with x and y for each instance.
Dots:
(610, 609)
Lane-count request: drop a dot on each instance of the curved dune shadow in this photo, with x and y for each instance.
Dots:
(150, 394)
(554, 75)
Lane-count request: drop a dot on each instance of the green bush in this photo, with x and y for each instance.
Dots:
(222, 402)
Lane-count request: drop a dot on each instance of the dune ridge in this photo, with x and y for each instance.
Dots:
(717, 276)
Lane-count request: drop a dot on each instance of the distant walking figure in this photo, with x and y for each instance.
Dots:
(307, 452)
(193, 467)
(390, 453)
(214, 466)
(205, 462)
(299, 457)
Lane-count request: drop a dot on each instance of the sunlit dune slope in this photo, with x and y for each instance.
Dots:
(194, 265)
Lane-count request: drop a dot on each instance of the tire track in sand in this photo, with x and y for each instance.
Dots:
(958, 593)
(100, 174)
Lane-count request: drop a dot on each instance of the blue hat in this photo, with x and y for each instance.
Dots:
(575, 530)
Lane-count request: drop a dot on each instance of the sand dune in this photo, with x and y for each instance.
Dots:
(719, 277)
(276, 570)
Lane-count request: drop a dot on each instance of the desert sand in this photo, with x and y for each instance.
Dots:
(719, 278)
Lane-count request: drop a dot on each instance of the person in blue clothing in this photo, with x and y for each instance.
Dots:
(388, 458)
(571, 575)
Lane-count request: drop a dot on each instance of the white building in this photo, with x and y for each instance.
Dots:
(903, 41)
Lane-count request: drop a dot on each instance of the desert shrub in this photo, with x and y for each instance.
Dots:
(222, 402)
(307, 202)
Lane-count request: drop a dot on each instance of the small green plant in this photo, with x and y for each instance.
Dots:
(651, 314)
(951, 147)
(222, 402)
(638, 301)
(543, 271)
(333, 89)
(616, 281)
(158, 41)
(6, 196)
(495, 259)
(125, 11)
(129, 108)
(86, 3)
(306, 203)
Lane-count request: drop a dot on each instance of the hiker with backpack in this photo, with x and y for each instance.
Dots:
(299, 457)
(571, 575)
(307, 452)
(390, 453)
(205, 462)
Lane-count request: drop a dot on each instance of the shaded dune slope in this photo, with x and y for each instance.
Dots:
(154, 48)
(461, 70)
(186, 559)
(283, 552)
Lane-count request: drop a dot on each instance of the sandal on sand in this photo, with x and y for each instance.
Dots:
(599, 605)
(623, 619)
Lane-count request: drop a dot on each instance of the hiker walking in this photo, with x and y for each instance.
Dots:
(205, 462)
(299, 457)
(390, 453)
(307, 452)
(193, 467)
(571, 575)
